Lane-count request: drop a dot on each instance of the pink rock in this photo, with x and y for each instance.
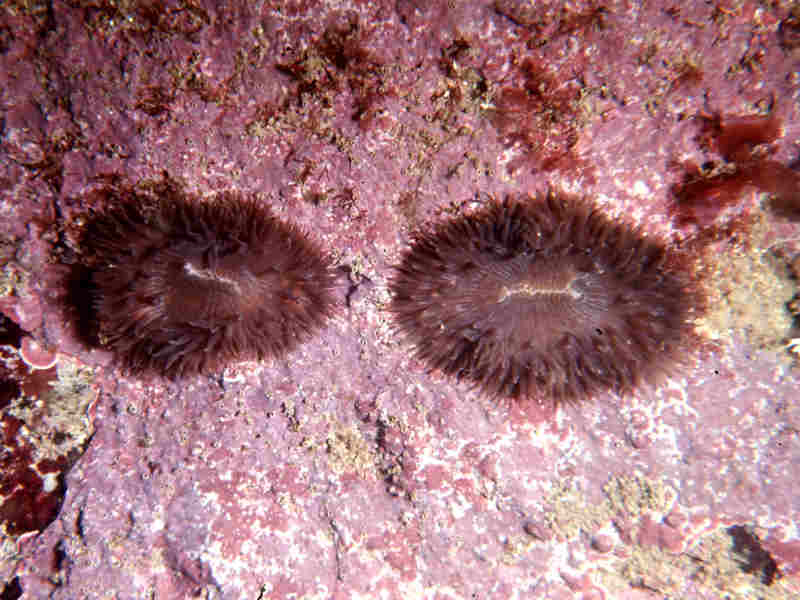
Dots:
(603, 543)
(675, 519)
(538, 530)
(576, 581)
(593, 594)
(785, 553)
(361, 123)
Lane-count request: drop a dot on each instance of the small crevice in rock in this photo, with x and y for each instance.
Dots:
(755, 558)
(12, 590)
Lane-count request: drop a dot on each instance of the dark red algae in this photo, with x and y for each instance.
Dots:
(745, 143)
(545, 298)
(179, 285)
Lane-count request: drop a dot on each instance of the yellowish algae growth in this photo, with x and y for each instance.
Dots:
(347, 450)
(515, 548)
(12, 278)
(748, 289)
(634, 495)
(57, 423)
(713, 564)
(570, 513)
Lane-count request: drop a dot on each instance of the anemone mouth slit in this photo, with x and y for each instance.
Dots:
(545, 298)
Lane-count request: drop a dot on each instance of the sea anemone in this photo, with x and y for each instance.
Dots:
(178, 285)
(545, 298)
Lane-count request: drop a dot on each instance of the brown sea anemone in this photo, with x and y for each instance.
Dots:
(178, 285)
(545, 298)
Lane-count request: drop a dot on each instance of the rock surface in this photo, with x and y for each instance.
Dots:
(344, 469)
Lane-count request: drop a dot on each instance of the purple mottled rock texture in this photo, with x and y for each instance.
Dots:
(344, 469)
